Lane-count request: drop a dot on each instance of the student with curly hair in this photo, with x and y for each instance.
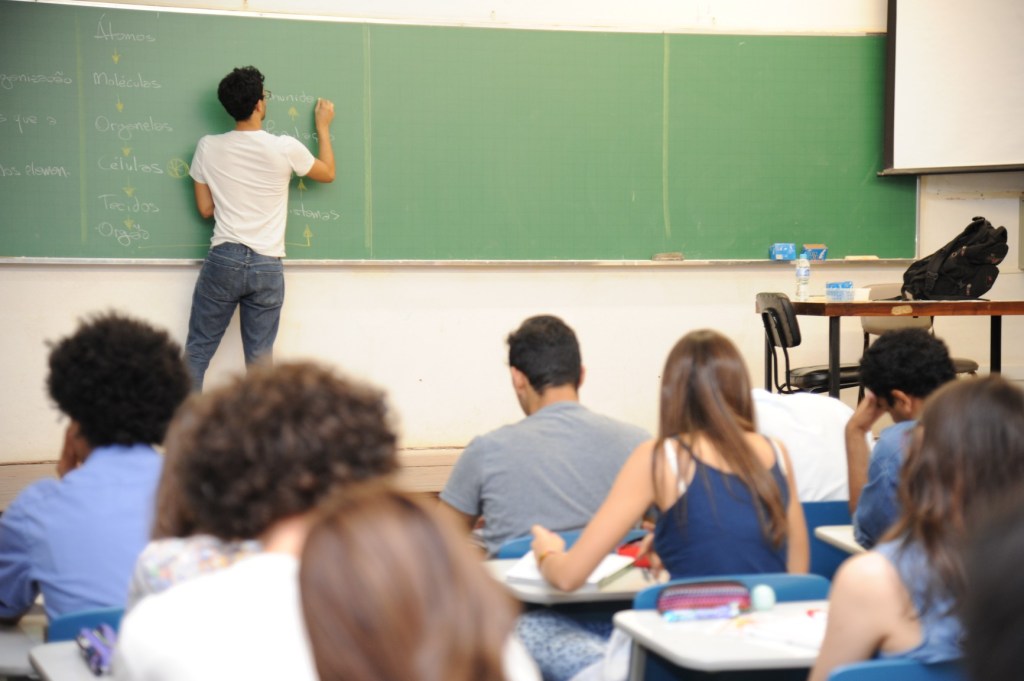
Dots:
(391, 592)
(904, 598)
(241, 181)
(252, 460)
(899, 370)
(76, 538)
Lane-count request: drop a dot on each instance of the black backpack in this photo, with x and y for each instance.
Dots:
(964, 268)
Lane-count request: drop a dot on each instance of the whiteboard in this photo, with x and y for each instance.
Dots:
(958, 85)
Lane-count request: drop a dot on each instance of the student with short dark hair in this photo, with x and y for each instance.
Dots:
(392, 593)
(903, 599)
(555, 466)
(75, 539)
(252, 460)
(899, 370)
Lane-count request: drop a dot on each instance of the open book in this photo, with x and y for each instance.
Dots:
(610, 568)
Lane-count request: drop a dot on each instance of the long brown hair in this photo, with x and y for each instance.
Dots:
(705, 392)
(392, 593)
(967, 454)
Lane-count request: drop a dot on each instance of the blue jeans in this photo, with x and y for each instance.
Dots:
(234, 275)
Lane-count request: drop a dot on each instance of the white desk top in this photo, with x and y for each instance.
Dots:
(17, 640)
(839, 536)
(719, 645)
(60, 661)
(622, 589)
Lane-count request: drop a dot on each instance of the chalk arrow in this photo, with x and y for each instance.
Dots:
(309, 235)
(126, 151)
(120, 105)
(116, 57)
(302, 185)
(129, 223)
(129, 190)
(294, 113)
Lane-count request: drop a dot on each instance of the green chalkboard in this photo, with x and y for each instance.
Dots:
(452, 143)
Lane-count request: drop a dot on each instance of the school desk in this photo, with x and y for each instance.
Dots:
(622, 589)
(722, 646)
(60, 661)
(839, 536)
(16, 640)
(995, 310)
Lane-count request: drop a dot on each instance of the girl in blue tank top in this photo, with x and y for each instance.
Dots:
(725, 494)
(902, 600)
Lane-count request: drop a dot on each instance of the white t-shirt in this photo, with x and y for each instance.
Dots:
(243, 622)
(813, 428)
(248, 174)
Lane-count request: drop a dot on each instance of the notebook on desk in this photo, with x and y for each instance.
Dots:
(608, 570)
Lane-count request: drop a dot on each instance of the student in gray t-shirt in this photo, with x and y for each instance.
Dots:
(554, 467)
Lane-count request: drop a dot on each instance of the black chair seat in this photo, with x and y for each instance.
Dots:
(814, 379)
(962, 365)
(782, 331)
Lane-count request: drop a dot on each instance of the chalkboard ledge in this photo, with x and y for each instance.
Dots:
(497, 264)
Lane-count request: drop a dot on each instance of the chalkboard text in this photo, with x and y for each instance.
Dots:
(105, 31)
(124, 130)
(130, 163)
(132, 205)
(9, 80)
(121, 80)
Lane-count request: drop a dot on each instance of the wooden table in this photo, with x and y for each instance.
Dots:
(716, 645)
(993, 309)
(839, 536)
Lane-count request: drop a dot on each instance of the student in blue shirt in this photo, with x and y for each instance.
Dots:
(75, 539)
(898, 371)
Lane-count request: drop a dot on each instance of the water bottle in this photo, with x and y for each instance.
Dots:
(803, 277)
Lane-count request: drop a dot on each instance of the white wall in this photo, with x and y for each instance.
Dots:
(434, 336)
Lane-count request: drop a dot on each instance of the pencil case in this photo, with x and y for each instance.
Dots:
(719, 596)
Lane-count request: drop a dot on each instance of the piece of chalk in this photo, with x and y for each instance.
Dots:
(861, 257)
(674, 255)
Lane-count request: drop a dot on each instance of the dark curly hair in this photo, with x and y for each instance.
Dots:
(119, 378)
(911, 360)
(545, 349)
(269, 445)
(240, 90)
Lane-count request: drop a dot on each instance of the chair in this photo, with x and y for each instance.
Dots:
(876, 326)
(517, 548)
(825, 558)
(787, 587)
(66, 627)
(782, 331)
(899, 670)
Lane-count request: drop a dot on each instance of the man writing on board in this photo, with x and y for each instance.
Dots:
(241, 180)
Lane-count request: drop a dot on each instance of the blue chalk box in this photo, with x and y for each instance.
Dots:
(839, 291)
(782, 252)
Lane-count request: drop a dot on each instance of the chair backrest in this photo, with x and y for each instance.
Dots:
(899, 670)
(66, 627)
(780, 322)
(787, 587)
(876, 326)
(517, 548)
(825, 558)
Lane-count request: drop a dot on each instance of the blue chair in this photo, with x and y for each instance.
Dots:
(66, 627)
(787, 587)
(898, 670)
(825, 558)
(517, 548)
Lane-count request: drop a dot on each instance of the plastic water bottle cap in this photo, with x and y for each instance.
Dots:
(762, 597)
